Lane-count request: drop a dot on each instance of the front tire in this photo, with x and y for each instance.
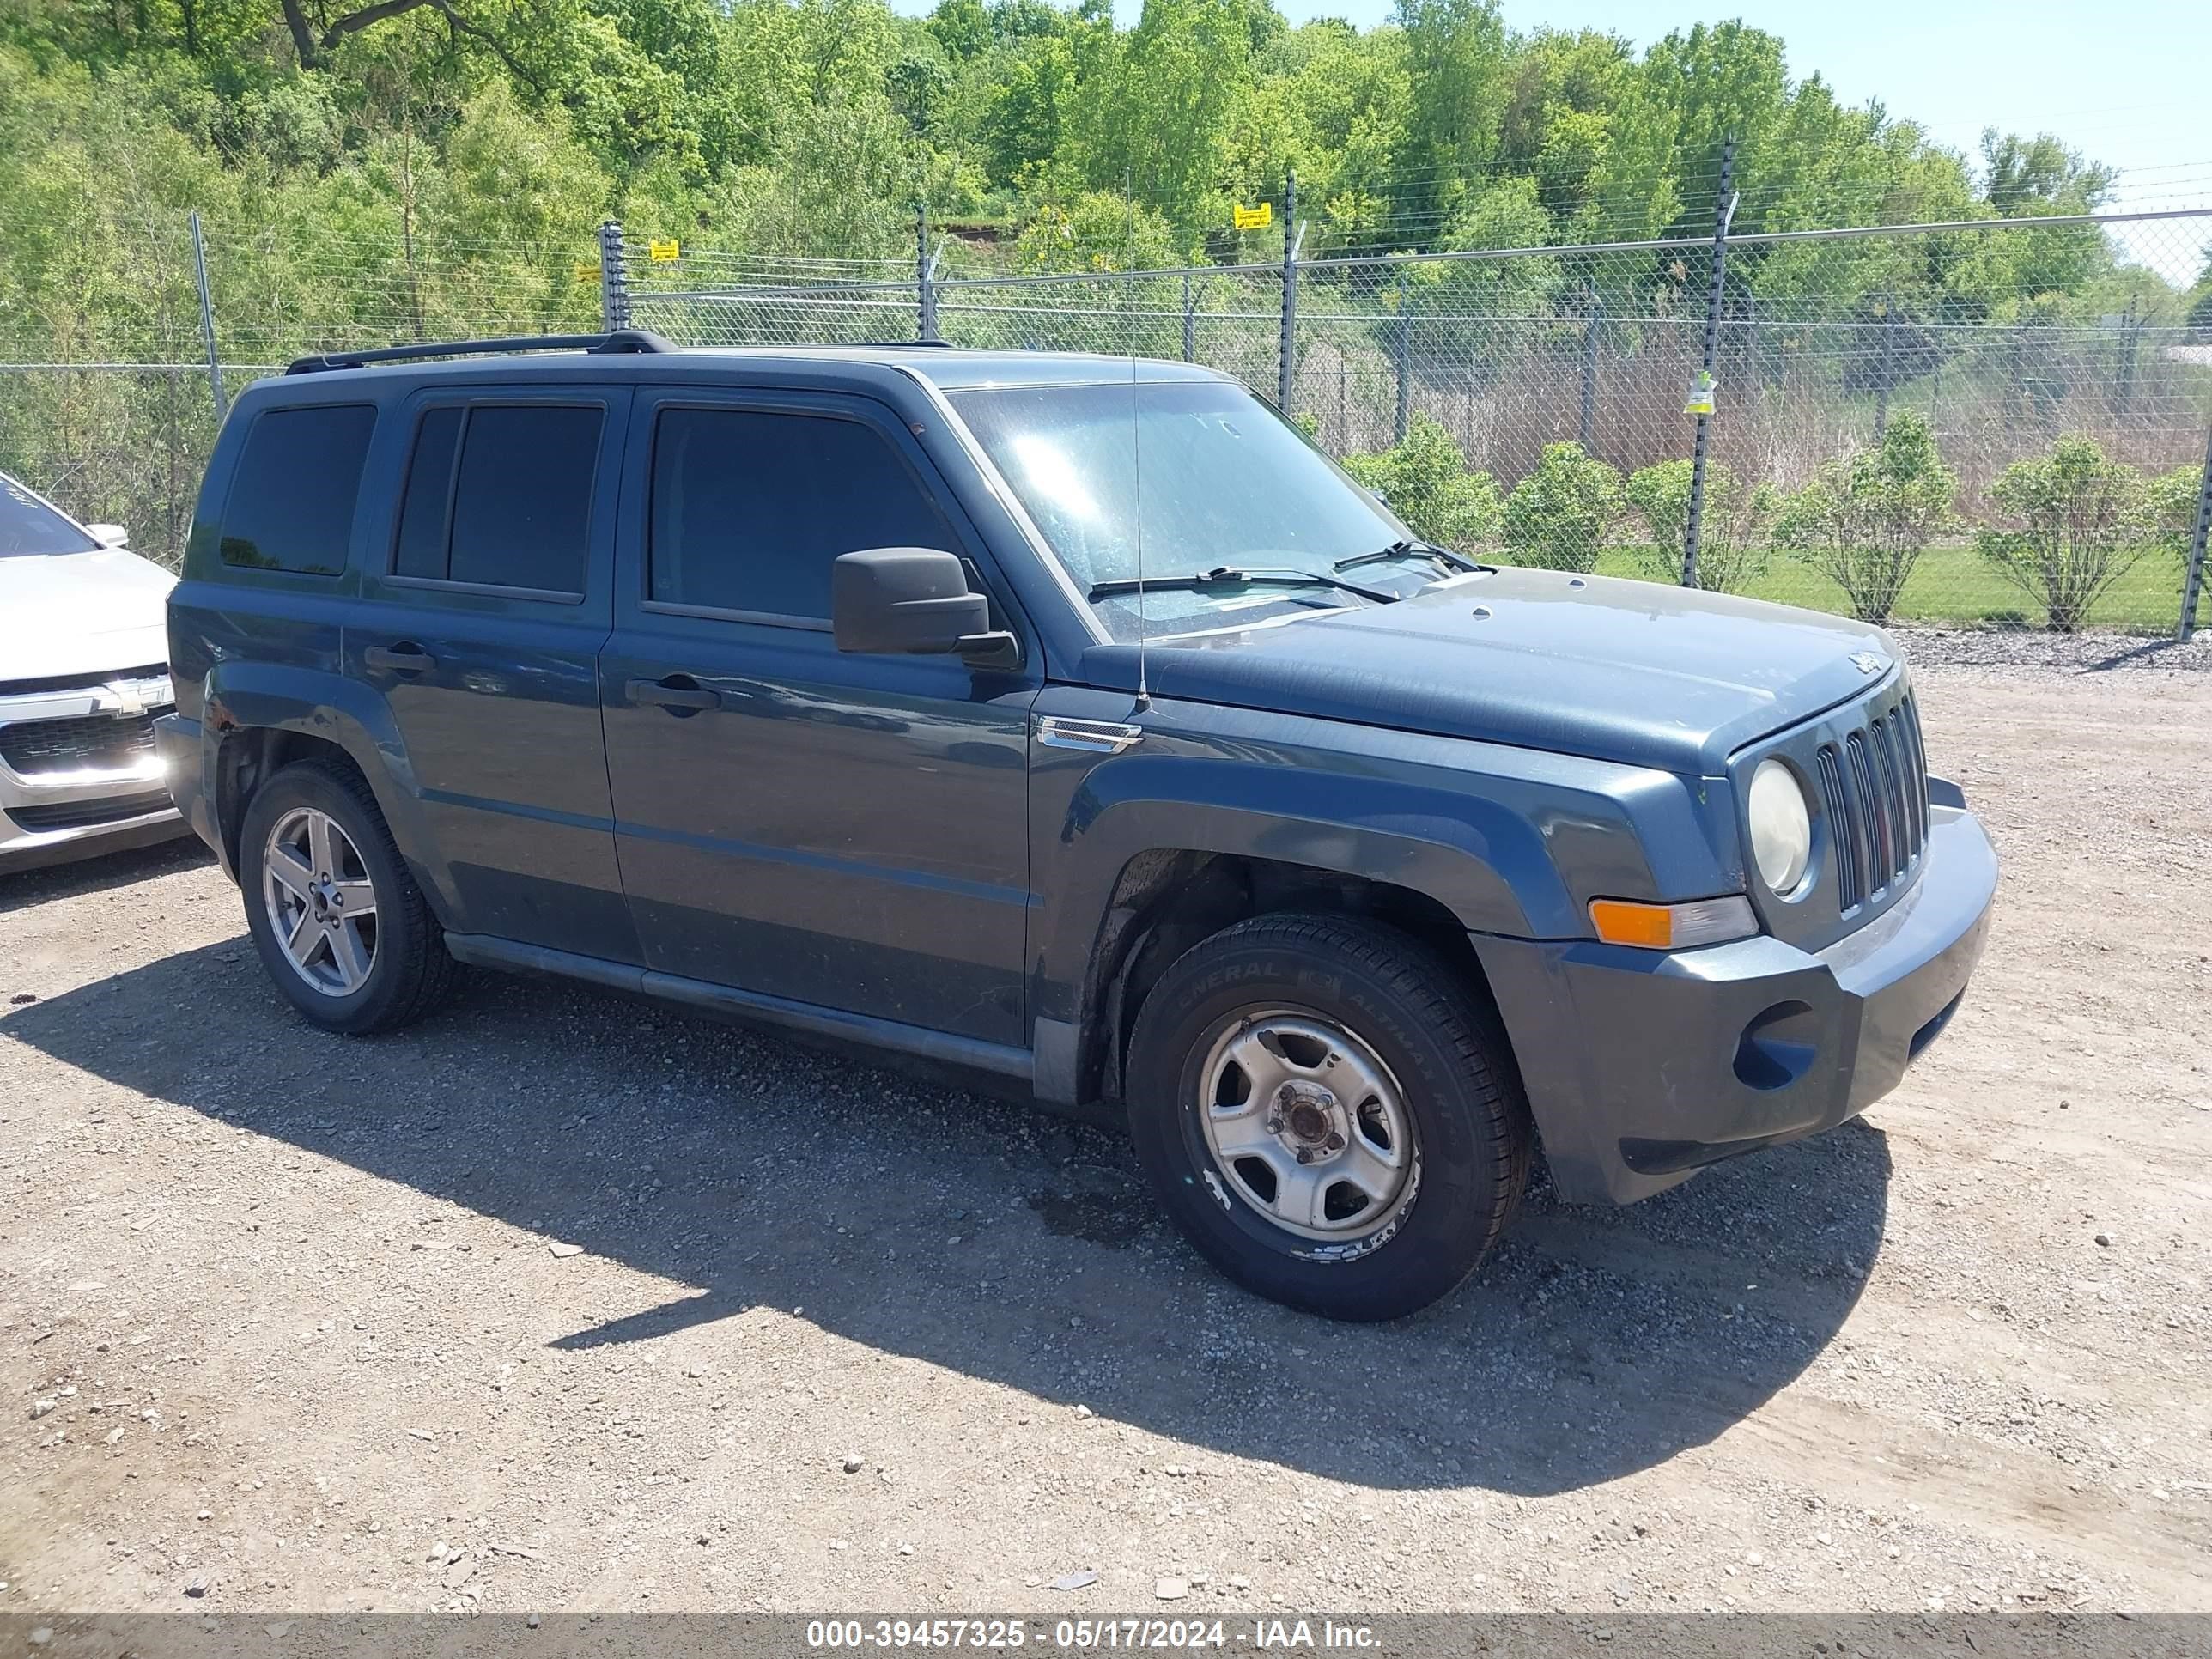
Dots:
(341, 927)
(1328, 1114)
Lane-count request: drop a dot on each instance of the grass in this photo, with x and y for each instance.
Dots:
(1953, 585)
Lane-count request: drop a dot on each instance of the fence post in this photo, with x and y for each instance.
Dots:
(2131, 329)
(1882, 368)
(1725, 211)
(1588, 429)
(2193, 583)
(1401, 349)
(925, 288)
(614, 285)
(207, 318)
(1286, 369)
(1189, 324)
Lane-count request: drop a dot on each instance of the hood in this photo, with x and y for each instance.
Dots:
(80, 613)
(1610, 669)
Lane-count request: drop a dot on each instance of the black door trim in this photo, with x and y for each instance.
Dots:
(943, 1047)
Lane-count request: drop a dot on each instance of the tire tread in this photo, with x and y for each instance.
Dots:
(1451, 1009)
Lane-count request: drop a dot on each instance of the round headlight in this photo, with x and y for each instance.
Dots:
(1781, 826)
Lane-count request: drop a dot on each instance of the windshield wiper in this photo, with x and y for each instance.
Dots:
(1234, 576)
(1410, 551)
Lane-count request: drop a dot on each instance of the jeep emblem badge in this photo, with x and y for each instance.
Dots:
(1867, 663)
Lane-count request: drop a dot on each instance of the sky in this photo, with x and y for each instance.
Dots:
(2124, 82)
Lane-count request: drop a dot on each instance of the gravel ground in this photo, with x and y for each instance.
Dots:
(559, 1302)
(2040, 655)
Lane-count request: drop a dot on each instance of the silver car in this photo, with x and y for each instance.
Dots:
(83, 672)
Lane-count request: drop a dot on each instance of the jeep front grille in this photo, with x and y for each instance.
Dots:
(1874, 789)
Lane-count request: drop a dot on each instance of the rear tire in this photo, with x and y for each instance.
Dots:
(312, 852)
(1329, 1114)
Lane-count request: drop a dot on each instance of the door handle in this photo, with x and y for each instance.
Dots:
(404, 658)
(679, 694)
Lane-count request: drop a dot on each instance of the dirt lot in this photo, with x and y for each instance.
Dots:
(560, 1302)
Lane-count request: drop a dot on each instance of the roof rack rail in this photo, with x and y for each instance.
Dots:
(622, 340)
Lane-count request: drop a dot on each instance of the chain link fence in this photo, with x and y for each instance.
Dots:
(1895, 429)
(1881, 439)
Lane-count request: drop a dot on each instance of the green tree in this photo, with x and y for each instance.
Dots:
(1024, 121)
(1097, 231)
(1155, 121)
(1560, 515)
(2199, 314)
(1458, 75)
(1864, 522)
(2078, 522)
(1426, 482)
(1558, 125)
(963, 29)
(1732, 524)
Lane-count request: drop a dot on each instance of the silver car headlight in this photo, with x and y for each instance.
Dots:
(1781, 826)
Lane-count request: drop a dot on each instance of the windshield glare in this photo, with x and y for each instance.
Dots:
(1210, 474)
(28, 524)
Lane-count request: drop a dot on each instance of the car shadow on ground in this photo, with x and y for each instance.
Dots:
(98, 873)
(983, 1237)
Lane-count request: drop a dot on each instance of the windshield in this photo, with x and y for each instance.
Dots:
(28, 524)
(1213, 475)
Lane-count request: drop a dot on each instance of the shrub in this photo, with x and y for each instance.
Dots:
(1732, 552)
(2079, 523)
(1864, 522)
(1425, 480)
(1559, 515)
(2170, 509)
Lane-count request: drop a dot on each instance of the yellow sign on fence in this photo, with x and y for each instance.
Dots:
(662, 252)
(587, 273)
(1258, 218)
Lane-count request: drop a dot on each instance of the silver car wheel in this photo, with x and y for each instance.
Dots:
(321, 904)
(1307, 1124)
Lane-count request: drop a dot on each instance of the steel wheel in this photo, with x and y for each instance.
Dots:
(322, 906)
(1307, 1124)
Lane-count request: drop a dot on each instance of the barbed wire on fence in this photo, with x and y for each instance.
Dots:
(1465, 375)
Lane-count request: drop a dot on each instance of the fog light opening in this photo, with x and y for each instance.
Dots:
(1778, 1047)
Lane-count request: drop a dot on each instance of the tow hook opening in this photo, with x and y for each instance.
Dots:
(1777, 1047)
(1934, 1029)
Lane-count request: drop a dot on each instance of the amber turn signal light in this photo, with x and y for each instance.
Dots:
(1673, 927)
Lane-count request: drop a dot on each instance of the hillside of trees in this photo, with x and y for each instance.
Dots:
(470, 146)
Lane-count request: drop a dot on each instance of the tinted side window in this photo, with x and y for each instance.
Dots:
(422, 550)
(292, 499)
(749, 508)
(522, 496)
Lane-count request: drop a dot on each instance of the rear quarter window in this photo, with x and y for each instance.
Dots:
(292, 499)
(500, 495)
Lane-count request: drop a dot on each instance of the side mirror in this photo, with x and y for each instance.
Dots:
(108, 535)
(912, 601)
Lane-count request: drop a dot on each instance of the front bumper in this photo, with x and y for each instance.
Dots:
(61, 807)
(1642, 1066)
(184, 761)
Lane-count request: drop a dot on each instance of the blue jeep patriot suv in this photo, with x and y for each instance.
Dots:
(1076, 726)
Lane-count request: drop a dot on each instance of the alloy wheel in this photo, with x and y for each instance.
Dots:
(321, 903)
